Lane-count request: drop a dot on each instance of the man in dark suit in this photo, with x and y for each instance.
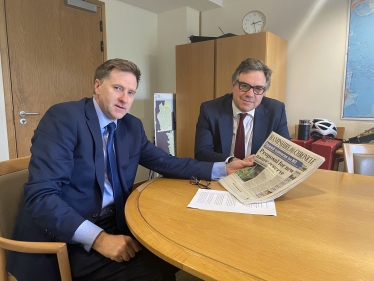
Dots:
(218, 122)
(76, 189)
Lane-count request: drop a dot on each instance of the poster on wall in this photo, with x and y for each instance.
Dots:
(164, 111)
(358, 99)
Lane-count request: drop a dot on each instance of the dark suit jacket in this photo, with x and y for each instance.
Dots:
(66, 179)
(214, 128)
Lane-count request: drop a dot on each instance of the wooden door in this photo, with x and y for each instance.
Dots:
(195, 84)
(53, 51)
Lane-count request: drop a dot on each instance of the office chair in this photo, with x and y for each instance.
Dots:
(359, 158)
(13, 174)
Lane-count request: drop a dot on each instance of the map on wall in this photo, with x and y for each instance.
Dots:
(164, 110)
(358, 101)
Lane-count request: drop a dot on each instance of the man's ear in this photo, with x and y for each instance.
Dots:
(96, 85)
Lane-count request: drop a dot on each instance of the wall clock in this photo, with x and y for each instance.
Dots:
(254, 22)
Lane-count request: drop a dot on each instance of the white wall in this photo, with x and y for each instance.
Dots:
(132, 34)
(316, 31)
(4, 151)
(174, 28)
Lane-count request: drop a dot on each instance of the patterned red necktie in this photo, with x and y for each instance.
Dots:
(239, 151)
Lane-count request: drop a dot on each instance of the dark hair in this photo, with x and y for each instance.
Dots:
(249, 65)
(104, 70)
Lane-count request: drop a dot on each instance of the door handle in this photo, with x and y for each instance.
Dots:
(23, 114)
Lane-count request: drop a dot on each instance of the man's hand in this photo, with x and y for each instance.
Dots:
(116, 247)
(238, 164)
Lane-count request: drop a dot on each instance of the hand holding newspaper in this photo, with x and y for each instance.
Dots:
(279, 165)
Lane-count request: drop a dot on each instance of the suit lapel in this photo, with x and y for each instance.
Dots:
(224, 123)
(259, 127)
(94, 127)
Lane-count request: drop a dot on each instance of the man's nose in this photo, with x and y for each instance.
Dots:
(250, 92)
(124, 97)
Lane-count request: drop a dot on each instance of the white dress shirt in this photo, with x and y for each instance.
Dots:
(248, 129)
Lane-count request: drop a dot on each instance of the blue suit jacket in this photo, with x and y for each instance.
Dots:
(214, 128)
(66, 179)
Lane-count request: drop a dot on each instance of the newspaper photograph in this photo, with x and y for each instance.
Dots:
(279, 165)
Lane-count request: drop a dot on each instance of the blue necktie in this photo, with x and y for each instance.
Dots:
(113, 177)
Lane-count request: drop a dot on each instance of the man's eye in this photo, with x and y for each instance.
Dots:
(118, 88)
(131, 93)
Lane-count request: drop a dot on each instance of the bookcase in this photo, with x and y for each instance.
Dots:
(204, 70)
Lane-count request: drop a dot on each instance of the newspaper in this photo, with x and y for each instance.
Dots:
(279, 165)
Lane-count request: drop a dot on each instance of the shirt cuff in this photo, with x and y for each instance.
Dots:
(86, 234)
(219, 171)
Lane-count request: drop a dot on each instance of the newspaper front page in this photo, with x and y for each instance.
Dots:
(279, 165)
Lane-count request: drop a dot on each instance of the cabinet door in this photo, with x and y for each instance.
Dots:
(194, 85)
(230, 52)
(276, 59)
(265, 46)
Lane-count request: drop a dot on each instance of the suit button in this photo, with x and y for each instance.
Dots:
(95, 215)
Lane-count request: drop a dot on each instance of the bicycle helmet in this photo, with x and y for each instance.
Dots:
(323, 127)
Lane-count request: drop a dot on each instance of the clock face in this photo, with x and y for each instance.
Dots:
(254, 22)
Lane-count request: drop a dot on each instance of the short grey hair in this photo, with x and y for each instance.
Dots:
(249, 65)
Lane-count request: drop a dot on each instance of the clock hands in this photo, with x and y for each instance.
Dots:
(254, 24)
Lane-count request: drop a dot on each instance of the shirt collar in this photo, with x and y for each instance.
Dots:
(103, 119)
(236, 111)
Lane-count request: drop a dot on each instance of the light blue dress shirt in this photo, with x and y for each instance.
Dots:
(87, 232)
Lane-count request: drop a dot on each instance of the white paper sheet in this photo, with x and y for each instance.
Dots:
(216, 200)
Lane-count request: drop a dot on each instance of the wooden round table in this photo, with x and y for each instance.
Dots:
(323, 231)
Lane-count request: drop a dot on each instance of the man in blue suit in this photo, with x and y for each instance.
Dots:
(217, 125)
(72, 197)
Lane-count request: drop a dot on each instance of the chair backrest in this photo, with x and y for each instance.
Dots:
(13, 175)
(339, 135)
(359, 158)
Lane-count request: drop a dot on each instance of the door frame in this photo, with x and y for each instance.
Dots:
(8, 94)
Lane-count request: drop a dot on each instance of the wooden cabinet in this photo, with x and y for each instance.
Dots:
(204, 70)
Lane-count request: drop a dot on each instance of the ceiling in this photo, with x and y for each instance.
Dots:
(160, 6)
